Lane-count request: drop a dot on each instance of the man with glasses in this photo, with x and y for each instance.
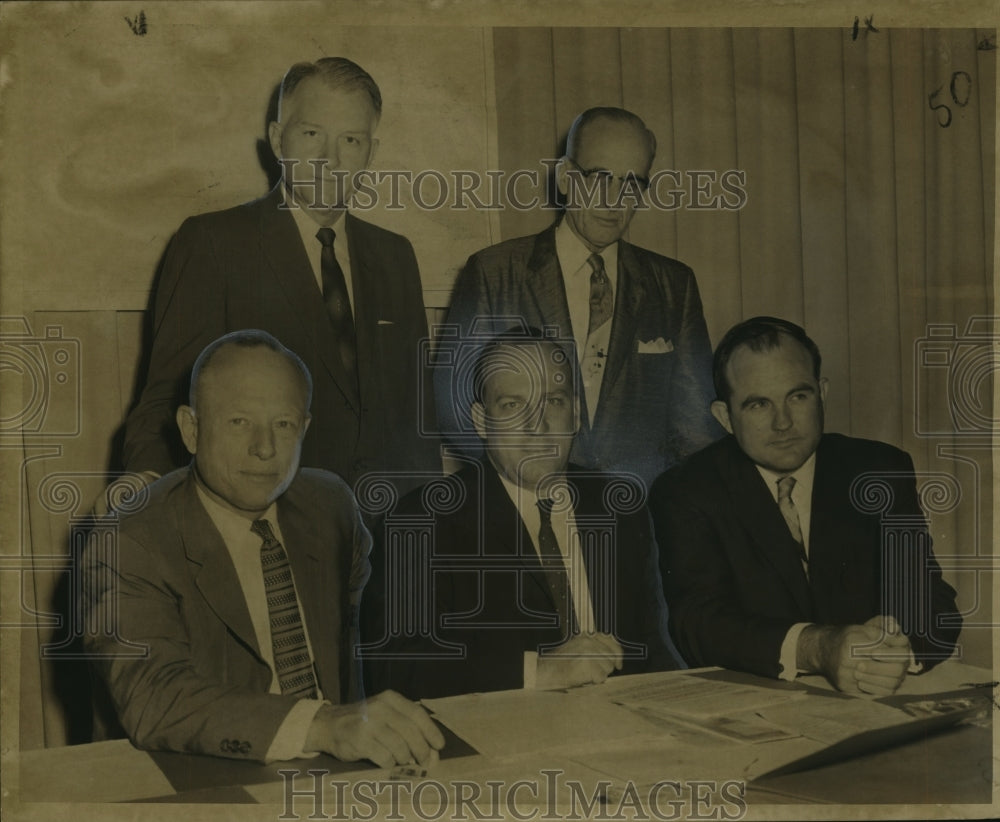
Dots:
(636, 317)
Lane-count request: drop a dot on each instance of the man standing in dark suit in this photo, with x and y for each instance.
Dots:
(785, 550)
(342, 293)
(636, 317)
(237, 585)
(535, 573)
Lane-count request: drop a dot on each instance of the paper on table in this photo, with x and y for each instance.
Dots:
(515, 722)
(694, 696)
(648, 761)
(831, 720)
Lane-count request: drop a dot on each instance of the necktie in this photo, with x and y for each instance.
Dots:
(602, 298)
(787, 508)
(288, 638)
(555, 568)
(338, 304)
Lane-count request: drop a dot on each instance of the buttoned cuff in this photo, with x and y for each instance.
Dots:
(289, 741)
(789, 652)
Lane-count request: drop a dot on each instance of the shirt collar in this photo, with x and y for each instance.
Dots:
(231, 525)
(803, 475)
(573, 253)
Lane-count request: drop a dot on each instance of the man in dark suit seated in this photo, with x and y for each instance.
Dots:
(785, 550)
(519, 570)
(635, 316)
(343, 293)
(240, 578)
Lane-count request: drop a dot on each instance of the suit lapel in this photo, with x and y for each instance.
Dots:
(631, 290)
(214, 573)
(756, 508)
(514, 537)
(546, 290)
(322, 608)
(364, 278)
(284, 254)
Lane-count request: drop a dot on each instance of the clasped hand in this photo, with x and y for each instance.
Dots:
(872, 658)
(583, 660)
(388, 729)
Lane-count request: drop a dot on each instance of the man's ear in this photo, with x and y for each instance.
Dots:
(274, 129)
(479, 419)
(305, 423)
(187, 421)
(824, 384)
(372, 152)
(561, 172)
(720, 411)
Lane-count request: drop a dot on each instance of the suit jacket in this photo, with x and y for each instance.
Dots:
(488, 601)
(653, 408)
(202, 685)
(246, 267)
(731, 569)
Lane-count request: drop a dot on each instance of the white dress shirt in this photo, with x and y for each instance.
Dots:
(568, 540)
(802, 500)
(244, 548)
(314, 248)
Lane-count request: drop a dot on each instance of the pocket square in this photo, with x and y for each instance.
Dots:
(657, 346)
(385, 322)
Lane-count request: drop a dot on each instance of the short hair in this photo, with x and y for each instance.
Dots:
(616, 115)
(757, 334)
(515, 336)
(337, 73)
(247, 338)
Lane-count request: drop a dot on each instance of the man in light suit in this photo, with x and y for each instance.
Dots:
(343, 293)
(537, 573)
(635, 316)
(785, 550)
(240, 580)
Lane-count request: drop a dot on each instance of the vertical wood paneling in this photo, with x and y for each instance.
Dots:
(820, 105)
(587, 66)
(647, 90)
(767, 146)
(872, 271)
(704, 136)
(526, 117)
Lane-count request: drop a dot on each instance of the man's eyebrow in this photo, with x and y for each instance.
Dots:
(802, 387)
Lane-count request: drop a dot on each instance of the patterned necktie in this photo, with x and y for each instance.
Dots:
(292, 663)
(554, 567)
(602, 298)
(787, 508)
(338, 304)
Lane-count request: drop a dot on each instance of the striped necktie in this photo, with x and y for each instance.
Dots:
(292, 662)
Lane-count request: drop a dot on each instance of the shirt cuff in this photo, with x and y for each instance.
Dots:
(289, 741)
(530, 670)
(789, 652)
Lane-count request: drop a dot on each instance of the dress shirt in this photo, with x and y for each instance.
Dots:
(564, 527)
(576, 271)
(802, 499)
(244, 548)
(314, 248)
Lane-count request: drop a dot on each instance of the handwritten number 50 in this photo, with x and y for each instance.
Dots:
(961, 90)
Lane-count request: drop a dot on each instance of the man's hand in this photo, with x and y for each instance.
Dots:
(858, 659)
(119, 493)
(585, 659)
(388, 729)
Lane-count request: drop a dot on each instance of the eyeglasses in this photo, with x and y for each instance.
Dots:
(631, 183)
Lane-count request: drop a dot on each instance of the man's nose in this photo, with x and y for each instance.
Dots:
(262, 444)
(782, 418)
